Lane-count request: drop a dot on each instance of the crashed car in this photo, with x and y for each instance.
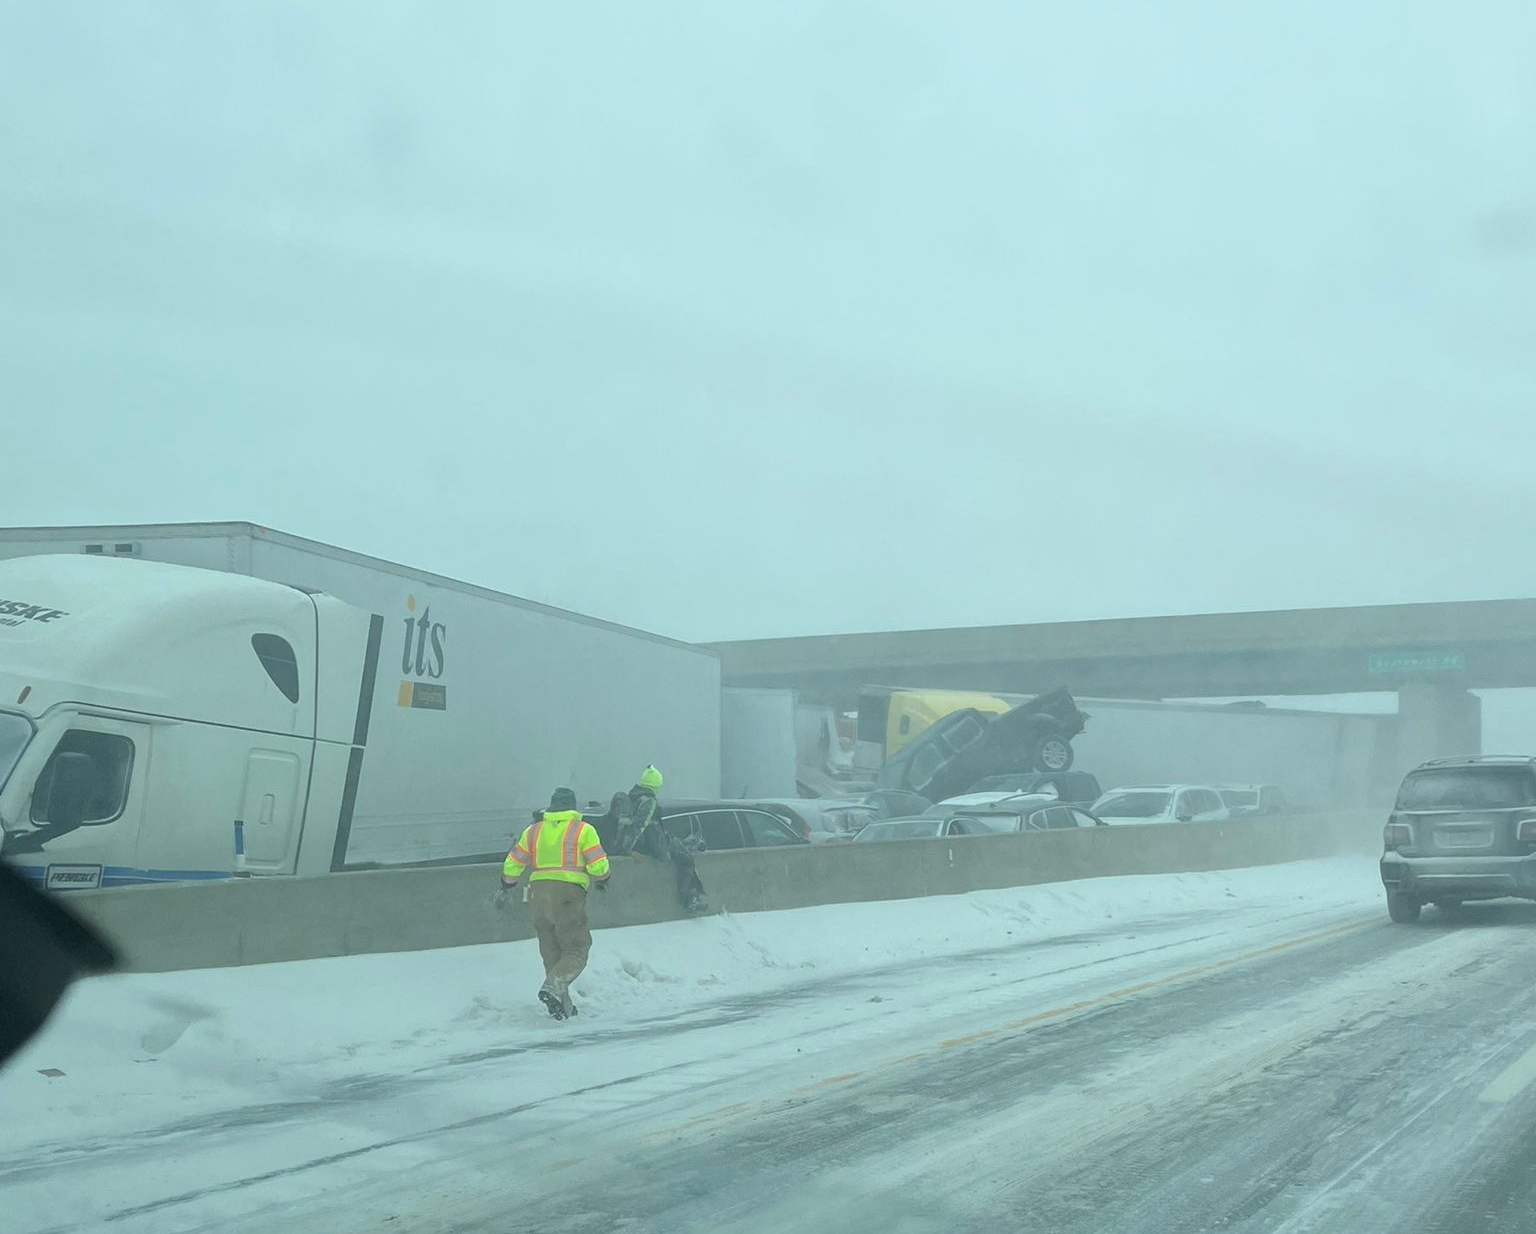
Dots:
(1072, 788)
(1029, 812)
(968, 745)
(1250, 800)
(822, 820)
(921, 829)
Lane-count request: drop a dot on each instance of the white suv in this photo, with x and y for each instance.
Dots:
(1162, 803)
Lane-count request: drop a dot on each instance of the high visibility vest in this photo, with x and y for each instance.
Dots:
(563, 847)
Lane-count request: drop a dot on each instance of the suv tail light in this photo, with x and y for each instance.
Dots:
(1525, 831)
(1400, 835)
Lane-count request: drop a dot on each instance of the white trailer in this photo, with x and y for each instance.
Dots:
(196, 701)
(757, 742)
(1323, 760)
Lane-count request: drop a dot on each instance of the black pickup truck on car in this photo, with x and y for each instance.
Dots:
(965, 746)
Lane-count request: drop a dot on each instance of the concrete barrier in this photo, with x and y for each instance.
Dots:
(260, 920)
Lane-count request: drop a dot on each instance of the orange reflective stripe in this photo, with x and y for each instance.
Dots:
(595, 853)
(554, 846)
(520, 854)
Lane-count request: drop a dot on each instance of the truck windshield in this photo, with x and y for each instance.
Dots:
(1468, 788)
(15, 732)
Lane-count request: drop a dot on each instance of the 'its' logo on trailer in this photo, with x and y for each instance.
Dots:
(423, 660)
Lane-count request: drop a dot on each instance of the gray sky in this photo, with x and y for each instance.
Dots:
(729, 320)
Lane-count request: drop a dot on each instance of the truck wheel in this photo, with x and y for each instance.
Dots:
(1053, 754)
(1402, 908)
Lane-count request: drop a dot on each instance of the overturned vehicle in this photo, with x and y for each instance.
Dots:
(964, 746)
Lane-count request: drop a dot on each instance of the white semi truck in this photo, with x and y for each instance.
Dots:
(201, 701)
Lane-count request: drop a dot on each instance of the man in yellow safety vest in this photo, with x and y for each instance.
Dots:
(563, 851)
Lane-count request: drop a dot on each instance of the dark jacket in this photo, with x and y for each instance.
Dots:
(609, 823)
(640, 829)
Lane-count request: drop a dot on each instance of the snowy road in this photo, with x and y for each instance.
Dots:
(1254, 1050)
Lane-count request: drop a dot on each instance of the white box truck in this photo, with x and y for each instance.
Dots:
(199, 701)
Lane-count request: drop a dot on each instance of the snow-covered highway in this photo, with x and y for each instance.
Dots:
(1246, 1050)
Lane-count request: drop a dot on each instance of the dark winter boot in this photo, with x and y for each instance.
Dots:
(555, 998)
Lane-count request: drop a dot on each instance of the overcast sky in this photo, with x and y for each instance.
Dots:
(730, 319)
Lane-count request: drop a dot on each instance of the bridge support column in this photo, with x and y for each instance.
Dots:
(1437, 720)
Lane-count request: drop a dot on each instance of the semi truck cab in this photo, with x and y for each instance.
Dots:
(161, 722)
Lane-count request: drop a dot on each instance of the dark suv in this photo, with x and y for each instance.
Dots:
(1462, 829)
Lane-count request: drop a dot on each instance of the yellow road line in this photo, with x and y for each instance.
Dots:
(1014, 1026)
(1056, 1013)
(1143, 986)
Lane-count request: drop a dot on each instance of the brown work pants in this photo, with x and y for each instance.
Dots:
(560, 917)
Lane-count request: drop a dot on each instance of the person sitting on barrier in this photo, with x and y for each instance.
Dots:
(641, 832)
(565, 856)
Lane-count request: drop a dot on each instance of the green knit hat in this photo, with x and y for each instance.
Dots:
(650, 778)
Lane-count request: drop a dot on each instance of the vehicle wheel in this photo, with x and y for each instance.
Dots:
(1402, 908)
(1053, 753)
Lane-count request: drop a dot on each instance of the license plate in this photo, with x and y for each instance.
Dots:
(1464, 837)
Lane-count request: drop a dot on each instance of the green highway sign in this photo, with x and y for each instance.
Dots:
(1420, 662)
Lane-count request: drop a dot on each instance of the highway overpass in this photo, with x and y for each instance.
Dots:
(1430, 654)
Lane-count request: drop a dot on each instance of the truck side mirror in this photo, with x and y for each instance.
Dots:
(68, 790)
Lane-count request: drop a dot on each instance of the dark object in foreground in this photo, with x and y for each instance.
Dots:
(951, 755)
(44, 948)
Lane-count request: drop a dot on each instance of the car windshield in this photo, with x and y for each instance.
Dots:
(1139, 804)
(849, 819)
(15, 733)
(1003, 784)
(1235, 797)
(989, 820)
(1468, 788)
(902, 829)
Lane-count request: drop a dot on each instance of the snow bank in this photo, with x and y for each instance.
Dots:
(189, 1041)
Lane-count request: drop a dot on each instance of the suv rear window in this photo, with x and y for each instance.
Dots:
(1467, 788)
